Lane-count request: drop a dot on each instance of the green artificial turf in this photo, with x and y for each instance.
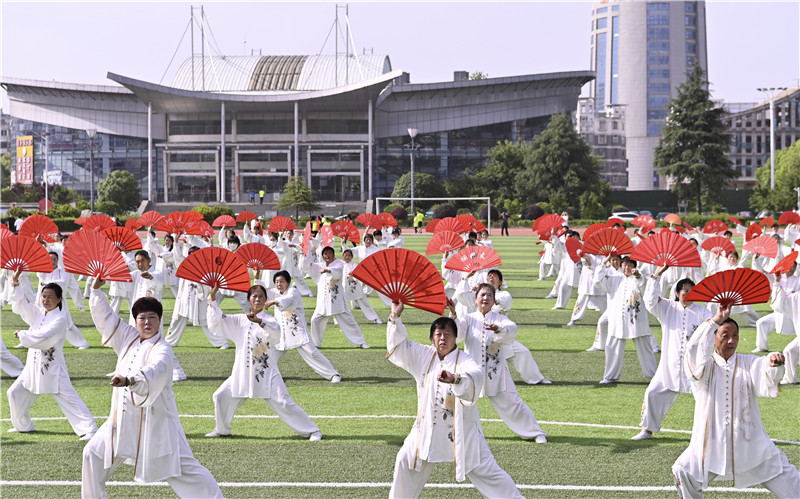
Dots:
(362, 450)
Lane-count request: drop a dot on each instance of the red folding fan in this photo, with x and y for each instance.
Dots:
(762, 245)
(785, 264)
(431, 227)
(643, 220)
(150, 219)
(4, 233)
(246, 216)
(81, 220)
(473, 258)
(180, 222)
(672, 219)
(574, 249)
(281, 224)
(369, 220)
(215, 266)
(387, 220)
(327, 235)
(346, 230)
(767, 222)
(200, 228)
(133, 224)
(25, 253)
(608, 241)
(615, 221)
(124, 239)
(444, 241)
(99, 223)
(753, 231)
(39, 226)
(258, 256)
(718, 245)
(224, 221)
(88, 252)
(404, 276)
(451, 224)
(546, 223)
(734, 220)
(306, 244)
(4, 227)
(788, 217)
(592, 229)
(737, 287)
(470, 221)
(667, 248)
(715, 226)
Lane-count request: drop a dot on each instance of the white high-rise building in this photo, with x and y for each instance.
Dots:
(641, 52)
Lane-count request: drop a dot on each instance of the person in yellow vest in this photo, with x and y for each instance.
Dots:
(261, 194)
(418, 218)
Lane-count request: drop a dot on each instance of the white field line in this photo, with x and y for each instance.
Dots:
(351, 485)
(400, 416)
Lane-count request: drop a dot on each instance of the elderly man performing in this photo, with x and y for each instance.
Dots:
(143, 429)
(447, 428)
(728, 439)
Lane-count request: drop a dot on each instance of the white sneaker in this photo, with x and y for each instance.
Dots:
(605, 381)
(378, 321)
(225, 346)
(594, 349)
(365, 346)
(557, 308)
(656, 350)
(215, 434)
(760, 350)
(642, 435)
(545, 381)
(571, 323)
(336, 379)
(181, 376)
(88, 436)
(315, 437)
(540, 439)
(83, 347)
(550, 296)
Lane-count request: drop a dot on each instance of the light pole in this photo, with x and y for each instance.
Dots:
(771, 93)
(91, 132)
(413, 133)
(44, 174)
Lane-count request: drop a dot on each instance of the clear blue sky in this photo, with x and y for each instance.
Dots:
(750, 44)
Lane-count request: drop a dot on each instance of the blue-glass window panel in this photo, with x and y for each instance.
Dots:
(602, 9)
(658, 87)
(614, 8)
(691, 48)
(614, 59)
(658, 46)
(654, 129)
(657, 73)
(690, 34)
(691, 21)
(658, 33)
(656, 114)
(657, 101)
(658, 20)
(691, 7)
(657, 60)
(600, 69)
(602, 23)
(690, 62)
(658, 6)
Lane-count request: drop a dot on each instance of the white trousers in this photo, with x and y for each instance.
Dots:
(346, 322)
(281, 403)
(523, 362)
(764, 326)
(194, 481)
(20, 400)
(116, 303)
(744, 313)
(9, 362)
(516, 414)
(582, 303)
(784, 486)
(302, 286)
(314, 358)
(488, 477)
(178, 327)
(369, 312)
(564, 294)
(792, 354)
(545, 270)
(615, 357)
(601, 335)
(75, 338)
(657, 401)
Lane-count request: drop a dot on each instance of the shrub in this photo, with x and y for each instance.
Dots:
(532, 212)
(211, 212)
(63, 211)
(107, 207)
(399, 213)
(444, 210)
(483, 211)
(353, 215)
(18, 212)
(390, 207)
(619, 207)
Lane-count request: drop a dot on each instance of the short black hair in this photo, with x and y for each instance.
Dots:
(326, 248)
(147, 304)
(443, 323)
(472, 234)
(53, 253)
(484, 285)
(283, 273)
(496, 271)
(680, 284)
(142, 253)
(254, 287)
(376, 232)
(234, 239)
(729, 320)
(56, 289)
(348, 250)
(629, 259)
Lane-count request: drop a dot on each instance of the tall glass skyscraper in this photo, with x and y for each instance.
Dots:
(641, 52)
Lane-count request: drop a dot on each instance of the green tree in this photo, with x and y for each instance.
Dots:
(5, 170)
(121, 188)
(425, 186)
(559, 162)
(298, 196)
(63, 195)
(497, 178)
(693, 143)
(478, 75)
(787, 178)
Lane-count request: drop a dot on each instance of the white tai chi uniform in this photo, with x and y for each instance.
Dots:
(728, 438)
(588, 291)
(289, 256)
(447, 427)
(164, 262)
(569, 275)
(294, 332)
(485, 347)
(354, 293)
(516, 353)
(143, 429)
(11, 365)
(45, 368)
(69, 286)
(255, 371)
(331, 303)
(601, 333)
(548, 262)
(788, 303)
(777, 321)
(118, 290)
(627, 319)
(677, 325)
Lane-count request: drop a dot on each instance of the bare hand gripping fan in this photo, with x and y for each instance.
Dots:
(39, 226)
(23, 252)
(608, 241)
(574, 249)
(762, 245)
(473, 258)
(452, 224)
(215, 266)
(404, 276)
(667, 248)
(258, 256)
(736, 287)
(281, 224)
(124, 239)
(718, 245)
(88, 252)
(99, 222)
(444, 241)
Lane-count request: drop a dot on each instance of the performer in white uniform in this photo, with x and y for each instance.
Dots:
(69, 285)
(290, 254)
(11, 365)
(331, 300)
(588, 291)
(143, 429)
(728, 438)
(788, 303)
(484, 333)
(448, 427)
(627, 319)
(678, 319)
(354, 290)
(601, 334)
(165, 261)
(255, 369)
(45, 368)
(776, 320)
